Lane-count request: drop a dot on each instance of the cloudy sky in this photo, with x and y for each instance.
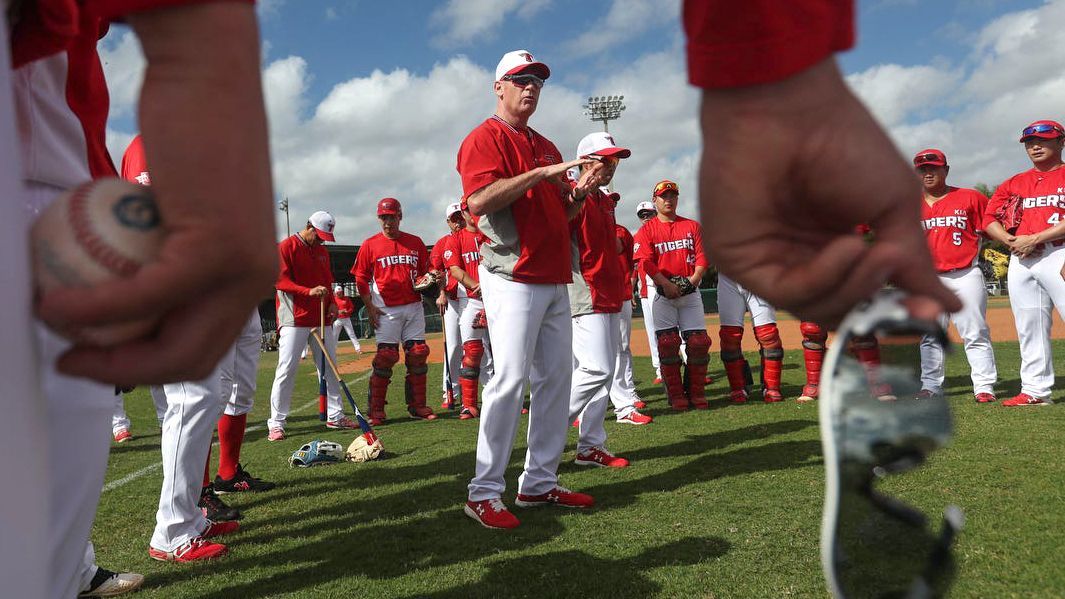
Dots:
(370, 99)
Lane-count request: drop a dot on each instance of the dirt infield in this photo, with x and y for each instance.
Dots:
(999, 316)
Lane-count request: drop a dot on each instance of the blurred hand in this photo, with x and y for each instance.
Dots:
(318, 291)
(788, 170)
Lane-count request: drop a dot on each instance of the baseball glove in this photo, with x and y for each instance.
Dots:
(480, 320)
(363, 449)
(683, 283)
(1010, 212)
(316, 453)
(427, 285)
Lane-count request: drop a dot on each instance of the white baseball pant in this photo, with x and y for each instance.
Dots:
(733, 302)
(119, 419)
(159, 401)
(468, 309)
(1035, 287)
(345, 323)
(684, 313)
(454, 346)
(193, 409)
(239, 372)
(532, 336)
(647, 304)
(396, 324)
(971, 322)
(623, 387)
(595, 346)
(290, 341)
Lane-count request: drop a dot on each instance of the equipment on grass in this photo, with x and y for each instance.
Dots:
(367, 430)
(316, 453)
(322, 403)
(362, 451)
(874, 545)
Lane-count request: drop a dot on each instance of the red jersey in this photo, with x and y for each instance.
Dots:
(733, 44)
(345, 306)
(641, 276)
(303, 267)
(528, 241)
(672, 248)
(952, 226)
(437, 262)
(1043, 198)
(134, 164)
(597, 276)
(626, 260)
(465, 253)
(387, 268)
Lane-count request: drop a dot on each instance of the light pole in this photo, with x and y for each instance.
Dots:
(284, 208)
(606, 109)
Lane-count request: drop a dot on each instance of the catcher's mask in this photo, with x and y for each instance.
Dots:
(874, 424)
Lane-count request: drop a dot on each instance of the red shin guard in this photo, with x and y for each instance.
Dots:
(669, 359)
(698, 343)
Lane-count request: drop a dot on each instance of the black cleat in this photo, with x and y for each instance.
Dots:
(241, 482)
(215, 509)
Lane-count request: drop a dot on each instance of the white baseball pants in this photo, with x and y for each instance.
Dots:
(971, 322)
(623, 387)
(345, 324)
(1036, 287)
(647, 304)
(396, 324)
(290, 342)
(684, 313)
(239, 372)
(453, 338)
(532, 336)
(119, 419)
(468, 309)
(192, 410)
(733, 302)
(595, 346)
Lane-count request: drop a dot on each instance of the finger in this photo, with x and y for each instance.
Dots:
(917, 275)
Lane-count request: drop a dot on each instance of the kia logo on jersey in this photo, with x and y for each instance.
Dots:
(448, 254)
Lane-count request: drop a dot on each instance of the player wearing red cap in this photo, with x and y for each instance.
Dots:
(953, 220)
(304, 283)
(1037, 241)
(447, 302)
(386, 268)
(514, 183)
(733, 301)
(671, 245)
(462, 261)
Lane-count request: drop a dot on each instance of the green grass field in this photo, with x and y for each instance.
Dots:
(721, 503)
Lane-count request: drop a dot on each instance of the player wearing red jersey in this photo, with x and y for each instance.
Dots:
(671, 245)
(447, 302)
(514, 183)
(1038, 246)
(386, 268)
(345, 308)
(462, 261)
(953, 219)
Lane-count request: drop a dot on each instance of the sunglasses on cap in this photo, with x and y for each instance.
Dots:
(921, 159)
(524, 79)
(1040, 128)
(645, 214)
(607, 160)
(876, 426)
(665, 186)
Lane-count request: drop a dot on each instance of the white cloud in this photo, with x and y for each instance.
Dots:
(464, 21)
(123, 62)
(625, 20)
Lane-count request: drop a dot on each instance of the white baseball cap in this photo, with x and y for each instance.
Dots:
(323, 223)
(601, 144)
(518, 61)
(452, 209)
(613, 195)
(645, 207)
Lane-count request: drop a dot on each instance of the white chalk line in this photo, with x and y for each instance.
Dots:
(132, 476)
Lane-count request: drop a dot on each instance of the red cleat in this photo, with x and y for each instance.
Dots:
(986, 398)
(639, 404)
(576, 423)
(491, 513)
(709, 380)
(738, 396)
(809, 393)
(195, 550)
(217, 529)
(1023, 399)
(123, 435)
(772, 396)
(635, 417)
(658, 380)
(468, 413)
(600, 457)
(559, 496)
(422, 413)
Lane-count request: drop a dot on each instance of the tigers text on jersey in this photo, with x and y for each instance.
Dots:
(465, 253)
(1043, 198)
(391, 266)
(597, 277)
(672, 248)
(528, 241)
(952, 227)
(436, 262)
(303, 267)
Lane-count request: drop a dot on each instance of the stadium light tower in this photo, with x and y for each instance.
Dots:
(284, 208)
(604, 108)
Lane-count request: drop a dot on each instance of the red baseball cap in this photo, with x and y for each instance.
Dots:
(930, 157)
(1043, 130)
(389, 206)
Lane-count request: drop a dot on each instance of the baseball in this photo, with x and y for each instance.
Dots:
(99, 231)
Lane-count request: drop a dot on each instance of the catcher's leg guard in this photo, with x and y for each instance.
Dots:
(698, 343)
(772, 360)
(669, 359)
(732, 358)
(867, 351)
(416, 354)
(386, 358)
(813, 352)
(469, 374)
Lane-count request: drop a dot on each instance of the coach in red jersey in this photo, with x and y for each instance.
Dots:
(514, 182)
(448, 304)
(665, 246)
(304, 285)
(1038, 246)
(386, 268)
(953, 220)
